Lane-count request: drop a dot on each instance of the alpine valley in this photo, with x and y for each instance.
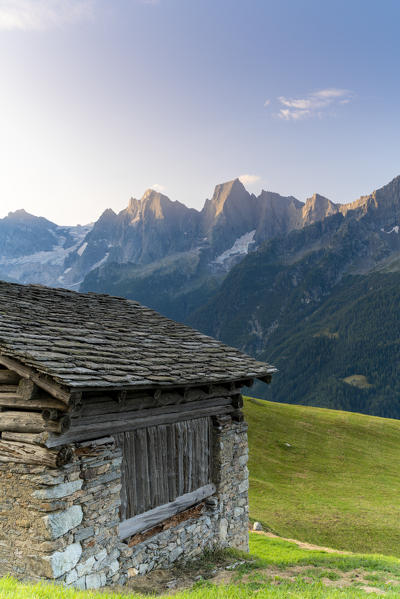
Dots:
(313, 287)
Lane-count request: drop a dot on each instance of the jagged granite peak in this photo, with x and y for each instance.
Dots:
(277, 215)
(156, 205)
(277, 200)
(108, 213)
(383, 202)
(231, 212)
(20, 214)
(388, 196)
(317, 208)
(22, 233)
(104, 225)
(229, 191)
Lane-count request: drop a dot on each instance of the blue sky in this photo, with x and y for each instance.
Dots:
(101, 99)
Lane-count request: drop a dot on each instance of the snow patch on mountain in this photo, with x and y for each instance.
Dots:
(57, 254)
(46, 265)
(395, 229)
(82, 248)
(100, 262)
(239, 248)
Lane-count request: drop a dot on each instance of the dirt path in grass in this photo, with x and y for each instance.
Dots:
(302, 544)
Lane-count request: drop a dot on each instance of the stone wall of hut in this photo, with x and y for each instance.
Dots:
(61, 524)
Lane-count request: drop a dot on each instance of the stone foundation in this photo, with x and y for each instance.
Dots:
(62, 524)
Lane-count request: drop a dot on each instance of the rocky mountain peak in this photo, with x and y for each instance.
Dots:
(107, 215)
(155, 202)
(317, 208)
(155, 205)
(21, 216)
(230, 191)
(384, 202)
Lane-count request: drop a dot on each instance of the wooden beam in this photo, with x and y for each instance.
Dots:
(86, 432)
(12, 400)
(25, 453)
(42, 381)
(31, 422)
(87, 418)
(157, 515)
(205, 384)
(8, 389)
(30, 438)
(192, 512)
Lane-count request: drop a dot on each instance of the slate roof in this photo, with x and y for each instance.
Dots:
(87, 340)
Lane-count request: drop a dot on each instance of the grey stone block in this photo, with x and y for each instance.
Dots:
(59, 523)
(84, 533)
(62, 562)
(95, 581)
(86, 567)
(59, 491)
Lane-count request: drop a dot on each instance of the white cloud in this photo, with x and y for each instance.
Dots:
(267, 103)
(247, 179)
(331, 92)
(26, 15)
(315, 104)
(158, 187)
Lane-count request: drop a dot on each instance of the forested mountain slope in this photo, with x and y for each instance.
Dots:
(323, 305)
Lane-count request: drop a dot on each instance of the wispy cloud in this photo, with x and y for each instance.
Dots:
(267, 102)
(158, 187)
(26, 15)
(247, 179)
(315, 104)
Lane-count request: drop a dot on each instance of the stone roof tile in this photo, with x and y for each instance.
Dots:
(87, 340)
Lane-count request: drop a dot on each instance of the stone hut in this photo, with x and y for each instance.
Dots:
(123, 446)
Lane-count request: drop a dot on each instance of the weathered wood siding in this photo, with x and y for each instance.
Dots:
(161, 463)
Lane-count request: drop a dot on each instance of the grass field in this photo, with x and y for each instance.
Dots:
(326, 477)
(275, 569)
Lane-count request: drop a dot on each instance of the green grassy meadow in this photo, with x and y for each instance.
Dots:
(325, 477)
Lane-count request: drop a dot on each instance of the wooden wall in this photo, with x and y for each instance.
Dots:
(161, 463)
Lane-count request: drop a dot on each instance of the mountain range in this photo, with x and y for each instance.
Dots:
(153, 229)
(313, 287)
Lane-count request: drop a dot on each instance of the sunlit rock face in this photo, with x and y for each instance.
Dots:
(317, 208)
